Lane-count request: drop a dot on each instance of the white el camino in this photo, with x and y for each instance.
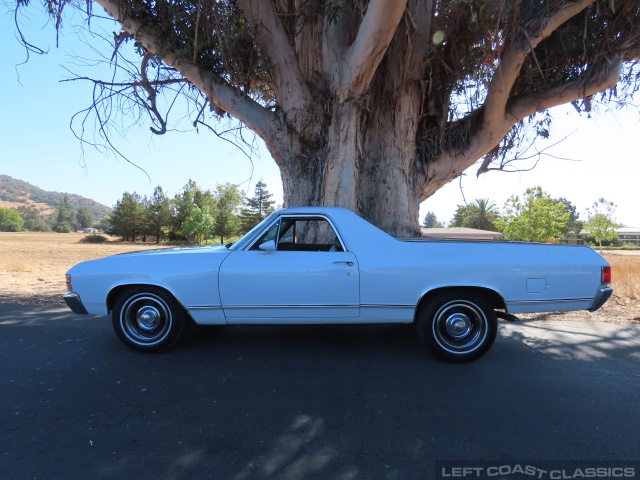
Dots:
(320, 265)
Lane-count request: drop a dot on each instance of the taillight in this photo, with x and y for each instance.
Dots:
(606, 274)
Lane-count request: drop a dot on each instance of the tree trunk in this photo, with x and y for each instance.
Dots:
(367, 164)
(367, 158)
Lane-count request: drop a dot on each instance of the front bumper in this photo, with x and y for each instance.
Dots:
(74, 303)
(604, 293)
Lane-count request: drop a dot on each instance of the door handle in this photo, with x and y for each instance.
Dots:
(348, 263)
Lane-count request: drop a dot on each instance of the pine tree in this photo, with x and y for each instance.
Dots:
(158, 211)
(256, 208)
(84, 217)
(128, 219)
(64, 216)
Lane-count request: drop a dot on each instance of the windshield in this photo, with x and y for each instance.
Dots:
(247, 237)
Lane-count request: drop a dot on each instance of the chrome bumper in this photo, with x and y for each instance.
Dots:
(74, 303)
(604, 293)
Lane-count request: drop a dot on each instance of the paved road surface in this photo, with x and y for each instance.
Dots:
(307, 402)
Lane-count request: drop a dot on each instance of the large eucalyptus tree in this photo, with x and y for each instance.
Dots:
(376, 104)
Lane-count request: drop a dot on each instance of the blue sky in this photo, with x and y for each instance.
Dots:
(38, 146)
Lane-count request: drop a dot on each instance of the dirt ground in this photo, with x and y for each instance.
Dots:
(32, 268)
(33, 264)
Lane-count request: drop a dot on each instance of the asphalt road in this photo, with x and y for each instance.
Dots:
(308, 402)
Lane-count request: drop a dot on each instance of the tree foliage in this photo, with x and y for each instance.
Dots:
(369, 104)
(534, 218)
(574, 224)
(481, 214)
(431, 221)
(256, 208)
(10, 220)
(193, 214)
(65, 217)
(199, 225)
(159, 216)
(601, 223)
(226, 218)
(129, 219)
(84, 217)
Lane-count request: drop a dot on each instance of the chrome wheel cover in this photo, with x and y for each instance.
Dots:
(145, 319)
(460, 326)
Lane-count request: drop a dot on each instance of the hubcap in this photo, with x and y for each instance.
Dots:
(458, 325)
(148, 318)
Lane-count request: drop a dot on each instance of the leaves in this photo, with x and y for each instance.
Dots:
(601, 223)
(534, 218)
(482, 215)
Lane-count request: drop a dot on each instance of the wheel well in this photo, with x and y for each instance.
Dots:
(493, 297)
(116, 291)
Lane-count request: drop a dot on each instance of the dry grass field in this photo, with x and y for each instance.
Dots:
(32, 268)
(33, 264)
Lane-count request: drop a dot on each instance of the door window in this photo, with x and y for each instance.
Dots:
(302, 235)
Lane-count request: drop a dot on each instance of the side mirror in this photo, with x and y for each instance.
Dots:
(269, 246)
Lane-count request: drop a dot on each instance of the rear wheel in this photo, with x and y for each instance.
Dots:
(148, 319)
(458, 327)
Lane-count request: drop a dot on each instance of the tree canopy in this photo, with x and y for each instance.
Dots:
(431, 221)
(371, 105)
(481, 214)
(10, 220)
(536, 217)
(601, 223)
(257, 208)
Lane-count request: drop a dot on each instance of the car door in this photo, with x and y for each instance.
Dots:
(297, 272)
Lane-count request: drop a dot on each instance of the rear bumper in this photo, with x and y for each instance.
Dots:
(604, 293)
(74, 303)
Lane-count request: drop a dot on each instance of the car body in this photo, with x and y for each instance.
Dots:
(326, 265)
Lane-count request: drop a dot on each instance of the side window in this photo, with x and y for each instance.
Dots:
(271, 234)
(308, 234)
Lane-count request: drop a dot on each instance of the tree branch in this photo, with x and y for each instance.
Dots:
(218, 92)
(450, 164)
(292, 90)
(376, 31)
(515, 54)
(604, 74)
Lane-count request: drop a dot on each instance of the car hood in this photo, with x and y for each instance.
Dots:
(177, 259)
(175, 251)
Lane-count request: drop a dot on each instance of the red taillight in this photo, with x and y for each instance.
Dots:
(606, 274)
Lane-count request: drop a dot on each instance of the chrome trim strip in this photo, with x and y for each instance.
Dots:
(231, 307)
(559, 300)
(204, 307)
(314, 306)
(380, 305)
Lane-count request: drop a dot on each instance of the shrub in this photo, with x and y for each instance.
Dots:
(63, 228)
(95, 238)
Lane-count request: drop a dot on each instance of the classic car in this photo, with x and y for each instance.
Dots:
(321, 265)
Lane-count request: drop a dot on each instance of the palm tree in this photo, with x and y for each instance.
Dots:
(480, 215)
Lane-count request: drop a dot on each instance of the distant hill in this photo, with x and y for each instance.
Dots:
(14, 193)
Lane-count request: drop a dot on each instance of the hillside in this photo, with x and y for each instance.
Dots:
(14, 193)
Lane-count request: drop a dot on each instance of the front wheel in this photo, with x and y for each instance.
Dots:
(148, 319)
(458, 327)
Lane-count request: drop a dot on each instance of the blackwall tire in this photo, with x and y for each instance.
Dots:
(458, 327)
(148, 319)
